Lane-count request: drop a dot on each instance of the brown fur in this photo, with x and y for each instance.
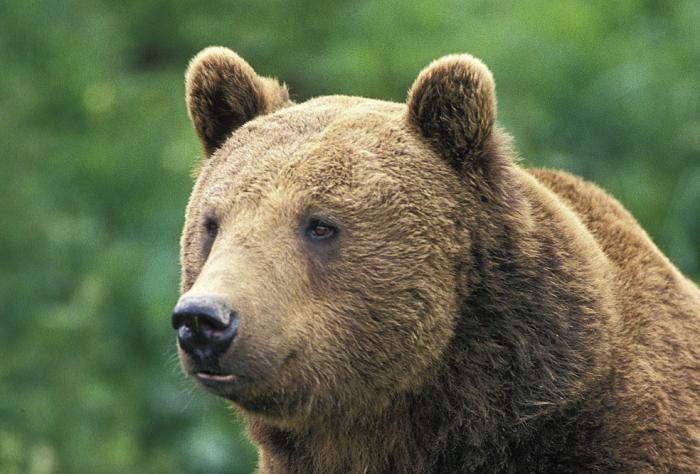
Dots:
(470, 316)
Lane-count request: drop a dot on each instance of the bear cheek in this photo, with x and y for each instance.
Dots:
(422, 336)
(391, 353)
(267, 342)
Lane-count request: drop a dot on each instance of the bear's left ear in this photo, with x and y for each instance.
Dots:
(452, 104)
(223, 92)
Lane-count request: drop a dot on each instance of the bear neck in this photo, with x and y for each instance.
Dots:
(519, 370)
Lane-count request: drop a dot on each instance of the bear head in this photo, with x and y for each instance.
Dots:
(326, 248)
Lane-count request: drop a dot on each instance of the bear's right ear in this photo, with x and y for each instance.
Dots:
(223, 92)
(452, 104)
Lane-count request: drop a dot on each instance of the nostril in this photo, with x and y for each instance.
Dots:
(194, 310)
(190, 325)
(197, 321)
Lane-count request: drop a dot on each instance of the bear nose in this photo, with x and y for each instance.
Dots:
(205, 325)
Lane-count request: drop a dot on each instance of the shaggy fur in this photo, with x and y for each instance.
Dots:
(469, 316)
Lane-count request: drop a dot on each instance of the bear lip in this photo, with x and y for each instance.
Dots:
(220, 378)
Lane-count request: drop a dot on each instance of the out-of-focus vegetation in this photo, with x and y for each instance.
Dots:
(97, 152)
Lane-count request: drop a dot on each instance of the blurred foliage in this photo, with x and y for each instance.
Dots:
(97, 151)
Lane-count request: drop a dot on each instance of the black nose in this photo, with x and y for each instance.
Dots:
(205, 325)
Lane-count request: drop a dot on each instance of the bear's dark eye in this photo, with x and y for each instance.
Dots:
(320, 230)
(212, 227)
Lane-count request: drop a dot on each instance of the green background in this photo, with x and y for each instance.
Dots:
(97, 153)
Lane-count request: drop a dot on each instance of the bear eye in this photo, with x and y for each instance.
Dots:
(212, 227)
(320, 230)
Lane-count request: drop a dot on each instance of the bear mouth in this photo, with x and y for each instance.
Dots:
(218, 383)
(208, 377)
(219, 379)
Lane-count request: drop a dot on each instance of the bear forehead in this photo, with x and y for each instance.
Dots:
(324, 146)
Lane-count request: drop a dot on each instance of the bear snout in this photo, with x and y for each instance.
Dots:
(205, 326)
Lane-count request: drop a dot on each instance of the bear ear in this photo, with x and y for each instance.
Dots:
(223, 92)
(452, 104)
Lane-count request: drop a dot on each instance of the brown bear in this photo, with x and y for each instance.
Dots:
(381, 287)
